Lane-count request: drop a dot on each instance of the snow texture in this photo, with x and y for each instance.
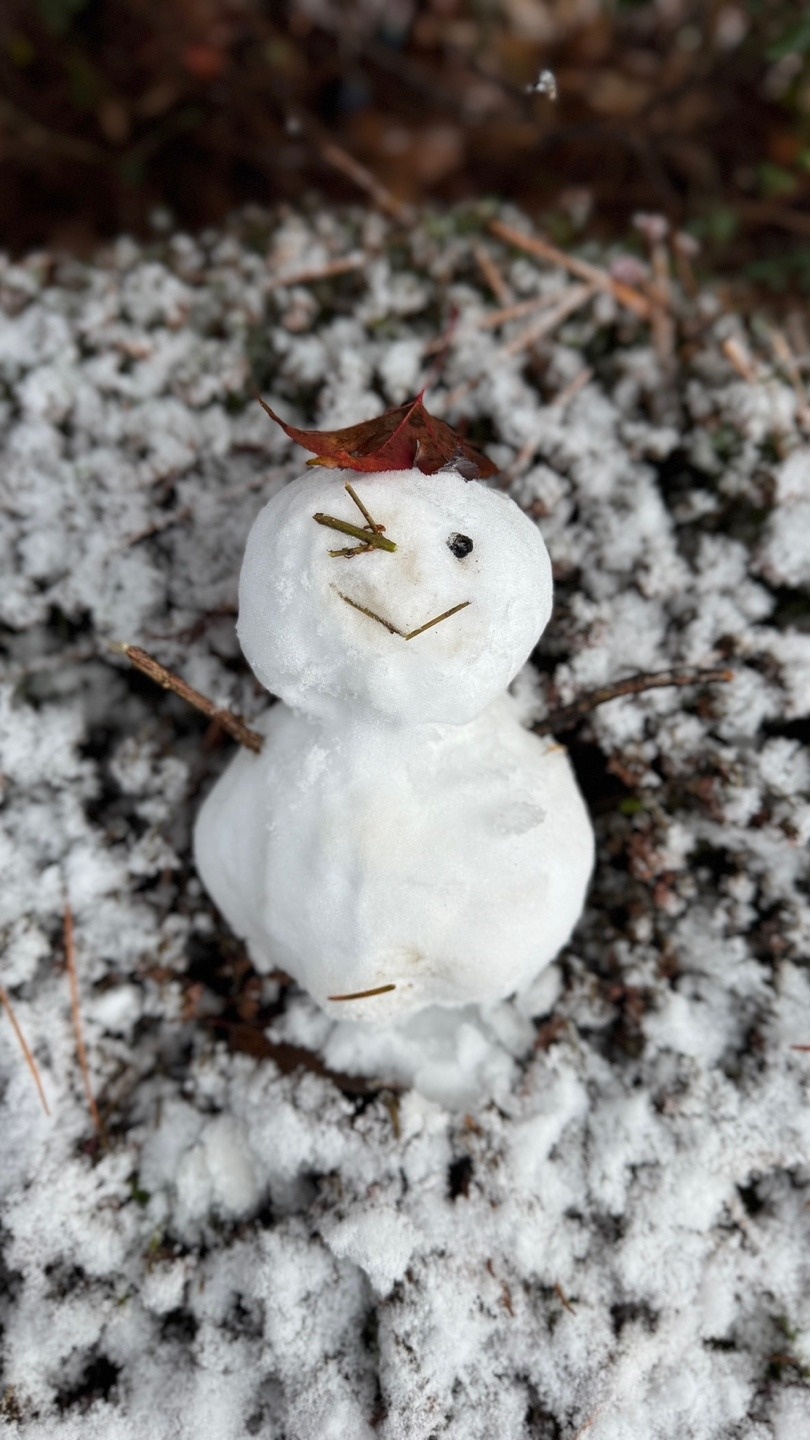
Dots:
(584, 1212)
(401, 832)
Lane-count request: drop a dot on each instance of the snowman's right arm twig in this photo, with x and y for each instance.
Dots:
(566, 716)
(232, 723)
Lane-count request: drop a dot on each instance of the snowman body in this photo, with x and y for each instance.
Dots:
(400, 833)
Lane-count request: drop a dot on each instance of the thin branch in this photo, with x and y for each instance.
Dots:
(157, 527)
(369, 537)
(346, 164)
(344, 265)
(542, 249)
(76, 1014)
(740, 359)
(572, 389)
(372, 524)
(517, 311)
(566, 716)
(227, 719)
(25, 1047)
(500, 287)
(565, 305)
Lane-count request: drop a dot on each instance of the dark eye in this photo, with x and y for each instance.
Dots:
(460, 545)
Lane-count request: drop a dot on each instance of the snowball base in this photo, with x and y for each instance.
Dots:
(449, 862)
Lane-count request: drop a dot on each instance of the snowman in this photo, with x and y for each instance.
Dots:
(402, 840)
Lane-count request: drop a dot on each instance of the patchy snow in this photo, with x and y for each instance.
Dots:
(584, 1211)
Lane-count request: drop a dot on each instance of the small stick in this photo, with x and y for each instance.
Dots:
(350, 490)
(784, 356)
(341, 160)
(438, 620)
(374, 539)
(569, 391)
(25, 1047)
(485, 261)
(685, 248)
(567, 716)
(543, 250)
(351, 550)
(571, 300)
(740, 359)
(342, 266)
(229, 721)
(372, 614)
(75, 1010)
(364, 994)
(518, 311)
(157, 527)
(568, 303)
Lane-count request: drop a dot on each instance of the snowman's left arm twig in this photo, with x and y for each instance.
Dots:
(566, 716)
(232, 723)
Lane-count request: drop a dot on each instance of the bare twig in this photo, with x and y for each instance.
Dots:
(740, 359)
(485, 261)
(382, 197)
(517, 311)
(372, 538)
(227, 719)
(784, 356)
(176, 517)
(343, 265)
(364, 994)
(25, 1047)
(542, 249)
(566, 716)
(571, 300)
(655, 229)
(685, 247)
(353, 495)
(76, 1014)
(569, 391)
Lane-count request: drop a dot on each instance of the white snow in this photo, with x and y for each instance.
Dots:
(400, 829)
(581, 1212)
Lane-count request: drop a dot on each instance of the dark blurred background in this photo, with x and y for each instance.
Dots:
(137, 115)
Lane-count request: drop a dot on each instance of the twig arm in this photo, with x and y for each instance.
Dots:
(231, 722)
(566, 716)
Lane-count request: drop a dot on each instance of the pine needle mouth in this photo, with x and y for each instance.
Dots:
(394, 629)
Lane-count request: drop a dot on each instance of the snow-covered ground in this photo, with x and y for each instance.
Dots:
(584, 1215)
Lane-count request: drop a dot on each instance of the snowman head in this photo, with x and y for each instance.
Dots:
(428, 626)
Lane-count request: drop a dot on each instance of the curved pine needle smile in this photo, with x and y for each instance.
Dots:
(394, 629)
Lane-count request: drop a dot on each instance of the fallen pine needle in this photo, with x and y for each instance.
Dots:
(26, 1049)
(364, 994)
(543, 250)
(492, 275)
(565, 305)
(229, 721)
(740, 359)
(344, 265)
(76, 1014)
(518, 311)
(567, 716)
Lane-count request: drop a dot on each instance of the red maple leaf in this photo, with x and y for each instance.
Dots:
(401, 439)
